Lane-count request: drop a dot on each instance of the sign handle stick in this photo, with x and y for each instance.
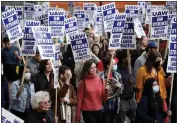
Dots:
(171, 90)
(25, 64)
(158, 45)
(109, 71)
(129, 62)
(149, 31)
(56, 118)
(166, 50)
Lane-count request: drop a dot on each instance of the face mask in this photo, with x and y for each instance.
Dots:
(157, 65)
(27, 76)
(114, 67)
(60, 41)
(155, 89)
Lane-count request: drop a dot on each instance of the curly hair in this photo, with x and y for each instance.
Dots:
(37, 98)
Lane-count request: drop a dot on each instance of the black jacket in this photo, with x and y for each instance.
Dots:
(40, 81)
(149, 115)
(36, 117)
(128, 91)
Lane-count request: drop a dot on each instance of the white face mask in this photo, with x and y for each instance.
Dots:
(27, 76)
(155, 89)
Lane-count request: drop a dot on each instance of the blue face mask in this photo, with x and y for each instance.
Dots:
(60, 41)
(114, 67)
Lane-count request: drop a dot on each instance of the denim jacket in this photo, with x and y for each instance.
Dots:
(20, 103)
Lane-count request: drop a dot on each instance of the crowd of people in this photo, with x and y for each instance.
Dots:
(83, 90)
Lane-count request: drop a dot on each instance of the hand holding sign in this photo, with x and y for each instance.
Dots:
(16, 53)
(19, 91)
(169, 79)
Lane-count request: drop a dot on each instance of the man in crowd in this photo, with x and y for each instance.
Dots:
(141, 46)
(140, 61)
(33, 63)
(10, 59)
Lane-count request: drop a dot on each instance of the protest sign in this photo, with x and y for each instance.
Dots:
(171, 4)
(66, 13)
(87, 22)
(43, 18)
(80, 15)
(3, 8)
(28, 11)
(142, 11)
(117, 31)
(138, 28)
(109, 11)
(90, 10)
(37, 10)
(98, 27)
(80, 47)
(131, 10)
(128, 38)
(171, 14)
(44, 41)
(52, 8)
(29, 44)
(3, 34)
(140, 15)
(159, 25)
(7, 117)
(172, 56)
(45, 7)
(149, 9)
(11, 24)
(55, 65)
(142, 3)
(148, 3)
(71, 28)
(56, 25)
(19, 12)
(77, 8)
(71, 8)
(59, 9)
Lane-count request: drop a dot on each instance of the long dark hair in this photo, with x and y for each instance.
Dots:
(153, 101)
(42, 68)
(151, 60)
(122, 56)
(42, 65)
(100, 53)
(69, 51)
(85, 69)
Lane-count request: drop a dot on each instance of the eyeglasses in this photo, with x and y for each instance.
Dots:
(47, 102)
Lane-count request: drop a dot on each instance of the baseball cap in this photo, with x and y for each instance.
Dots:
(152, 45)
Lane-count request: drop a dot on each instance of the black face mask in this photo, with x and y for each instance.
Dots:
(157, 65)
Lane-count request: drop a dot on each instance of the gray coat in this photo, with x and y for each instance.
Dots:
(140, 61)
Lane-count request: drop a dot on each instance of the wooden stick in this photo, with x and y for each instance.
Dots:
(25, 64)
(158, 45)
(171, 90)
(109, 71)
(129, 62)
(166, 50)
(149, 31)
(56, 102)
